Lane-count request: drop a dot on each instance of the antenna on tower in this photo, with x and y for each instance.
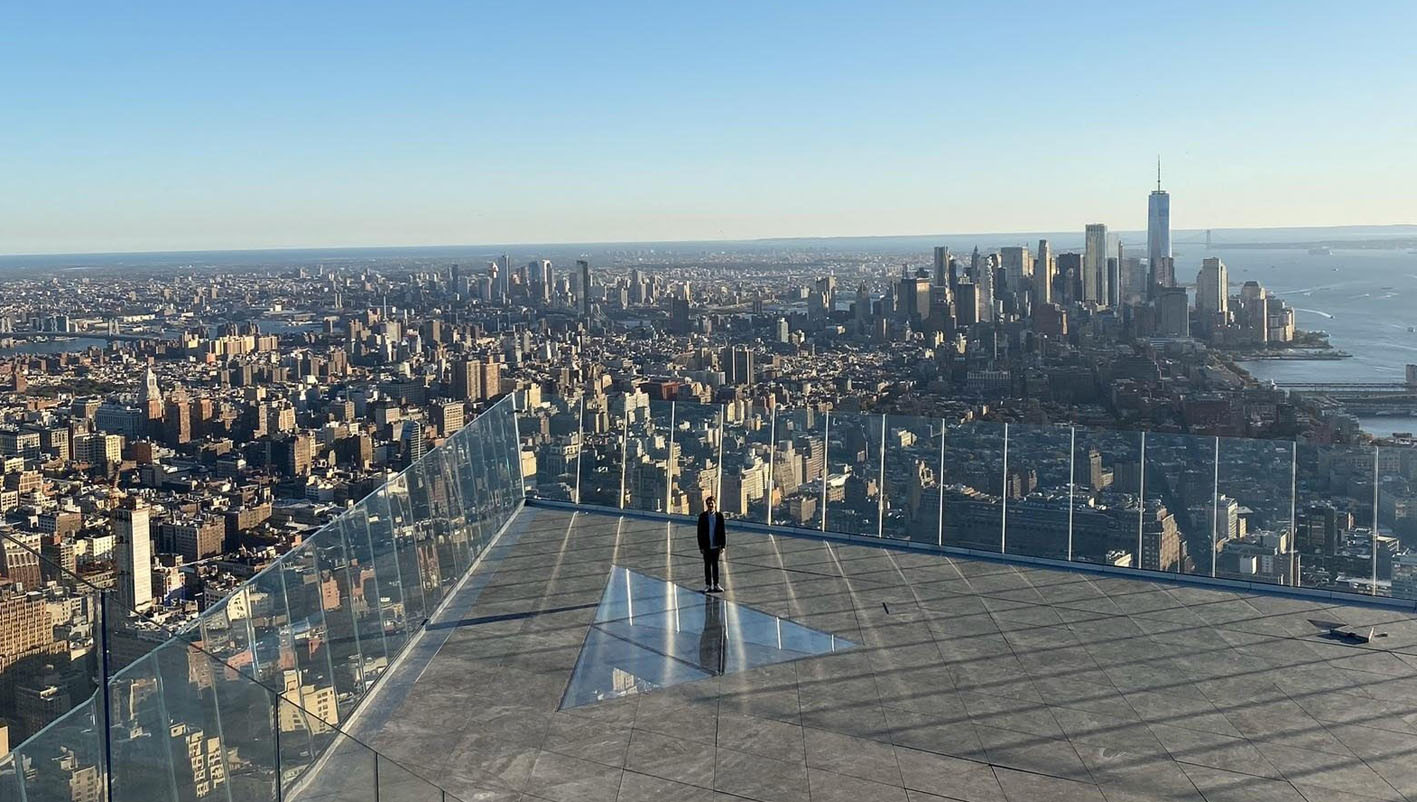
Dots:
(1158, 172)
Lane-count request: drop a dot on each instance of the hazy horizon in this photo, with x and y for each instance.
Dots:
(255, 126)
(1221, 236)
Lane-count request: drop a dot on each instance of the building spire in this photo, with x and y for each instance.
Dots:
(1158, 172)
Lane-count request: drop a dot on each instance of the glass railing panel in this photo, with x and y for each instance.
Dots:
(747, 431)
(799, 464)
(1396, 521)
(974, 474)
(362, 584)
(62, 762)
(390, 583)
(1334, 517)
(911, 497)
(550, 431)
(1038, 492)
(270, 627)
(193, 735)
(346, 655)
(226, 632)
(1107, 521)
(244, 716)
(759, 430)
(602, 427)
(647, 457)
(854, 473)
(52, 639)
(696, 469)
(404, 529)
(426, 531)
(309, 633)
(503, 478)
(1251, 515)
(443, 477)
(470, 462)
(506, 489)
(1178, 480)
(139, 735)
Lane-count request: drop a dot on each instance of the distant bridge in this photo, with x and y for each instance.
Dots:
(77, 335)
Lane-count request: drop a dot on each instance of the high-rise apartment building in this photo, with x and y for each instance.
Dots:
(1094, 264)
(133, 554)
(467, 380)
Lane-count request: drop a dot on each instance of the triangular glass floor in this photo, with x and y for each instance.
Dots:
(649, 633)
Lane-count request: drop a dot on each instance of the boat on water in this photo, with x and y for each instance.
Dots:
(1320, 251)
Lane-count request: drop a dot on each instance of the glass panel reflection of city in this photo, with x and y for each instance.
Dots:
(649, 633)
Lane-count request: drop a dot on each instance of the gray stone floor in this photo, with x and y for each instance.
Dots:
(975, 681)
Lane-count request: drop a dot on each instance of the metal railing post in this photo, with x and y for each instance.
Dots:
(517, 446)
(1215, 513)
(826, 465)
(772, 462)
(1141, 499)
(1004, 507)
(624, 451)
(1374, 549)
(670, 464)
(106, 710)
(881, 485)
(580, 446)
(940, 485)
(718, 483)
(1072, 482)
(1293, 512)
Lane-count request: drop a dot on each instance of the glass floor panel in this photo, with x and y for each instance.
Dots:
(649, 633)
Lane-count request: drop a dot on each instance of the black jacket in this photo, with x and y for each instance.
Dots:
(719, 536)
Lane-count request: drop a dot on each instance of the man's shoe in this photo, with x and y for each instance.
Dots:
(717, 588)
(708, 588)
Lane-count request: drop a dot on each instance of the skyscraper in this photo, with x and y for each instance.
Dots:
(1018, 268)
(1158, 229)
(584, 267)
(1043, 274)
(1212, 292)
(1094, 264)
(541, 278)
(942, 265)
(133, 553)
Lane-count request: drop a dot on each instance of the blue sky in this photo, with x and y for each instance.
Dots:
(171, 126)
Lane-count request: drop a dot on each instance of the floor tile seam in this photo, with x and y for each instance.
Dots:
(1306, 771)
(856, 613)
(1339, 738)
(1051, 717)
(1182, 756)
(915, 595)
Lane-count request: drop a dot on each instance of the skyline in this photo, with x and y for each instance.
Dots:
(174, 129)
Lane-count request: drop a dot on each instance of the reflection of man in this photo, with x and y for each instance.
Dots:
(711, 639)
(712, 541)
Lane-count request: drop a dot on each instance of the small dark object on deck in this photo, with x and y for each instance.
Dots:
(1337, 630)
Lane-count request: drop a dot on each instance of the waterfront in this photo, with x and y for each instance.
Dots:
(1362, 298)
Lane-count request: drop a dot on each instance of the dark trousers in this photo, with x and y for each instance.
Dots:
(711, 566)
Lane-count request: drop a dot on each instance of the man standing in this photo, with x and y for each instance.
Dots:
(712, 541)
